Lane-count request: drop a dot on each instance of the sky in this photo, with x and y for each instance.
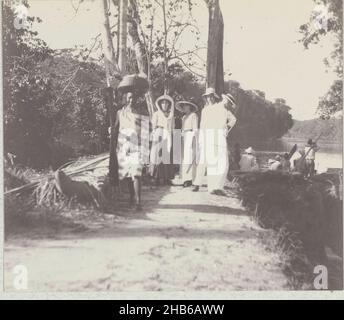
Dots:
(261, 48)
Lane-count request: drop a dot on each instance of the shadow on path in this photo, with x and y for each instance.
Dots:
(202, 208)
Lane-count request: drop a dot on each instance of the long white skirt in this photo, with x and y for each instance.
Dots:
(188, 165)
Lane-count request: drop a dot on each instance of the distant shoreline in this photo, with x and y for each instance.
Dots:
(304, 139)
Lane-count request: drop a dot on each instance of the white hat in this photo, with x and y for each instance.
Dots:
(180, 105)
(229, 97)
(164, 97)
(210, 91)
(249, 150)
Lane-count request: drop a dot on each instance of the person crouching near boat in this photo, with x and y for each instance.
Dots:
(275, 164)
(285, 163)
(310, 150)
(161, 151)
(189, 131)
(248, 161)
(216, 122)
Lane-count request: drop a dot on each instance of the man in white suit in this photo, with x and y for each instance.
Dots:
(216, 122)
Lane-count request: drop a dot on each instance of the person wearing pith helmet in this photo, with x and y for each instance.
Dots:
(189, 131)
(213, 150)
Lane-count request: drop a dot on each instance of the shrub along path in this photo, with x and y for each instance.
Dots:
(182, 241)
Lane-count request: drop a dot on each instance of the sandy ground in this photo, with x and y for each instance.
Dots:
(183, 241)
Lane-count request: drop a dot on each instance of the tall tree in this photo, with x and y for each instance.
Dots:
(112, 76)
(215, 77)
(113, 72)
(122, 35)
(140, 49)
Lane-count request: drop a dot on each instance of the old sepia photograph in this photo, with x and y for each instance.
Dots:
(172, 146)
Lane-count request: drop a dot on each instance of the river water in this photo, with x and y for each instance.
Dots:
(329, 155)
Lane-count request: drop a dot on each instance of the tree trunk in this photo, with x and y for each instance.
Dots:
(140, 51)
(215, 78)
(111, 66)
(112, 76)
(122, 35)
(165, 48)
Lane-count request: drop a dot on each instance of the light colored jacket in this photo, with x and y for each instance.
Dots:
(248, 162)
(217, 116)
(190, 122)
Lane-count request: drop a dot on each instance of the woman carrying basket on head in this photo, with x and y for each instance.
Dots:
(133, 137)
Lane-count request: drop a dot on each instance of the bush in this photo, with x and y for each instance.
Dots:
(309, 210)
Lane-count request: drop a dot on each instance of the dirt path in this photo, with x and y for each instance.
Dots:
(208, 244)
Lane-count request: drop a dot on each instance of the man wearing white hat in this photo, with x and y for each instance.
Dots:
(216, 122)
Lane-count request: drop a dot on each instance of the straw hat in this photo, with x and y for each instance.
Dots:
(164, 97)
(181, 104)
(249, 150)
(210, 91)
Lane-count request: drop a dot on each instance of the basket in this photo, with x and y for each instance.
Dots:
(133, 82)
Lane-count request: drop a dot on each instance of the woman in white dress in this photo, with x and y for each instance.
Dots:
(162, 128)
(189, 131)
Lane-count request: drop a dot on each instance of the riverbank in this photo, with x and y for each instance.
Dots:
(307, 215)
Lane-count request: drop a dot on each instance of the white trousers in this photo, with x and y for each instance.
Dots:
(212, 161)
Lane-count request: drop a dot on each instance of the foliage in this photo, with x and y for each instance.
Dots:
(182, 83)
(331, 129)
(164, 26)
(310, 210)
(47, 94)
(27, 92)
(78, 99)
(327, 20)
(258, 118)
(332, 101)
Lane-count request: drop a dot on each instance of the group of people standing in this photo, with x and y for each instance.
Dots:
(148, 143)
(204, 152)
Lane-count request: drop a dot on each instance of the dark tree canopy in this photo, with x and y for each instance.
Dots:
(258, 118)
